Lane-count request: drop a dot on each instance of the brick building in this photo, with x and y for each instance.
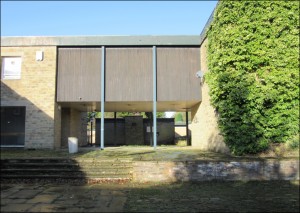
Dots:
(49, 83)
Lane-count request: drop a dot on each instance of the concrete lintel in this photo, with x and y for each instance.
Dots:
(180, 40)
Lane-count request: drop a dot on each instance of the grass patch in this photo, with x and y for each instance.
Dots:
(253, 196)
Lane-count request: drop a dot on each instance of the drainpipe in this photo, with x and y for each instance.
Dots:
(102, 97)
(154, 98)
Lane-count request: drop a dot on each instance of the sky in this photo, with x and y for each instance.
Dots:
(71, 18)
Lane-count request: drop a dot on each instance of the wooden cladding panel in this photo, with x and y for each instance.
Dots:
(129, 74)
(79, 74)
(176, 74)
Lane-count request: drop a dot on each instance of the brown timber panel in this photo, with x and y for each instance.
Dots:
(79, 74)
(128, 74)
(176, 74)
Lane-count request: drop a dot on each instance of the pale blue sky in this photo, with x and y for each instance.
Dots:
(54, 18)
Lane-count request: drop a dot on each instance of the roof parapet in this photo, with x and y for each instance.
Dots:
(184, 40)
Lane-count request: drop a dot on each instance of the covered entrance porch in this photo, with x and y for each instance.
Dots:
(151, 75)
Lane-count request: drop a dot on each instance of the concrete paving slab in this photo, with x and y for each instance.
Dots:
(12, 201)
(66, 202)
(41, 207)
(72, 209)
(25, 193)
(23, 207)
(43, 198)
(56, 189)
(8, 190)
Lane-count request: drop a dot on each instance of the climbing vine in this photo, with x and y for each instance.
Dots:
(253, 58)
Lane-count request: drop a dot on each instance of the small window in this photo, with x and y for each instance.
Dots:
(11, 67)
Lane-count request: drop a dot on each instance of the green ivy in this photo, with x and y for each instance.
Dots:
(253, 58)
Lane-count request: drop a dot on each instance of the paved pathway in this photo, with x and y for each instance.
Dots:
(61, 198)
(210, 196)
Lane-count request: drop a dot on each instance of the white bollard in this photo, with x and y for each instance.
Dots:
(73, 144)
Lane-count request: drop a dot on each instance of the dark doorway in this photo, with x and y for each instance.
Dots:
(12, 126)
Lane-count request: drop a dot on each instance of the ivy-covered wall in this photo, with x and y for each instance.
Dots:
(253, 59)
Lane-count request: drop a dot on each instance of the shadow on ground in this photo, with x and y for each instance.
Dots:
(255, 196)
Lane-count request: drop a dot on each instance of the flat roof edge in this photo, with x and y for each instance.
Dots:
(203, 34)
(7, 41)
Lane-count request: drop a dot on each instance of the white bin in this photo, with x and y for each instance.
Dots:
(73, 144)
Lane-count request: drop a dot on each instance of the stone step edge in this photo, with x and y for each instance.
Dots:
(92, 180)
(89, 160)
(69, 163)
(44, 167)
(58, 169)
(64, 177)
(65, 172)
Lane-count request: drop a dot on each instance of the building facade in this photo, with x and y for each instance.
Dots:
(49, 83)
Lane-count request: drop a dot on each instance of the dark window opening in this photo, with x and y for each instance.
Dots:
(12, 126)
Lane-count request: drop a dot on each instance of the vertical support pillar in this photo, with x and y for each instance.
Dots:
(187, 128)
(91, 141)
(154, 98)
(102, 96)
(115, 128)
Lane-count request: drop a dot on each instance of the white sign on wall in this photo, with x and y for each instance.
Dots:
(11, 67)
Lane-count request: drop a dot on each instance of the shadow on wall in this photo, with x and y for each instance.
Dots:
(216, 143)
(181, 136)
(73, 124)
(39, 126)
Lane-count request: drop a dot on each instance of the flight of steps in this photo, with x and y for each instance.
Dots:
(67, 170)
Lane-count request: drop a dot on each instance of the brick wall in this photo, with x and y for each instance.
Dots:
(36, 91)
(161, 171)
(134, 133)
(204, 127)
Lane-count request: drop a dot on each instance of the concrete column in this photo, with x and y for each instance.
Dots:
(204, 127)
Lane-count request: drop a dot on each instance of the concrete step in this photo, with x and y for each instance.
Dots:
(56, 176)
(92, 171)
(62, 165)
(65, 169)
(67, 160)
